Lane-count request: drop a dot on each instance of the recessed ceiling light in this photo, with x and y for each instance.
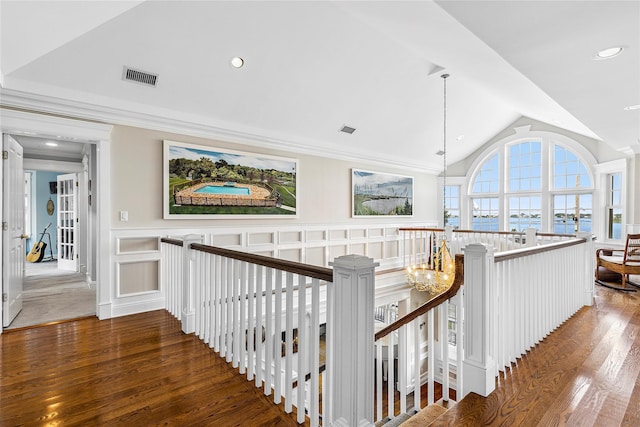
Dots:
(237, 62)
(609, 52)
(460, 138)
(632, 107)
(51, 144)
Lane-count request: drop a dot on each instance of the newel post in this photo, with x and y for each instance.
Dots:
(187, 316)
(350, 342)
(589, 267)
(479, 366)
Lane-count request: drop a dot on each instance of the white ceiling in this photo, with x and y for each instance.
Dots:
(313, 66)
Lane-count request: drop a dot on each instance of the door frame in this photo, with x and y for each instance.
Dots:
(86, 263)
(47, 126)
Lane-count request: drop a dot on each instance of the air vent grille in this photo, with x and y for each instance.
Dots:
(347, 129)
(140, 77)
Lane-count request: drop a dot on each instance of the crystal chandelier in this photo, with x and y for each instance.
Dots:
(434, 277)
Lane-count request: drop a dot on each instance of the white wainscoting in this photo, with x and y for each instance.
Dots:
(133, 292)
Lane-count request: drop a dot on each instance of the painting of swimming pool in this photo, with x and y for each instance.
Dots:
(378, 193)
(223, 189)
(201, 182)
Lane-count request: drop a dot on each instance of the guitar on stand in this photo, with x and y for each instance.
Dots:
(36, 254)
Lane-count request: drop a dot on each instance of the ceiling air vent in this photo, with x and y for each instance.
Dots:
(139, 76)
(347, 129)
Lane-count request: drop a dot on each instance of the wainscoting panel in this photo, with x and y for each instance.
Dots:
(136, 255)
(137, 245)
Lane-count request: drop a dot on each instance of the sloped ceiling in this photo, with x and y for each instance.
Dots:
(313, 66)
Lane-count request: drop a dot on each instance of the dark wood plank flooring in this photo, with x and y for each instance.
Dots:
(586, 373)
(142, 370)
(137, 370)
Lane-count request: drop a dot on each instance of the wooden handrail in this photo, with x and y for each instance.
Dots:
(456, 230)
(519, 253)
(316, 272)
(432, 303)
(170, 241)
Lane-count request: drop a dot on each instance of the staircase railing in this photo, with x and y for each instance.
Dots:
(232, 299)
(408, 351)
(262, 315)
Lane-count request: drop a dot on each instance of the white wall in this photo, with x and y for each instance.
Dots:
(324, 185)
(324, 227)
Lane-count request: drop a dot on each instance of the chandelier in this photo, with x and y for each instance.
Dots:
(438, 274)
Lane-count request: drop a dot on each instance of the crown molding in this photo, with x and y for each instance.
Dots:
(116, 116)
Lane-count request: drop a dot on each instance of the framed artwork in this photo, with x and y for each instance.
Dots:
(377, 193)
(205, 182)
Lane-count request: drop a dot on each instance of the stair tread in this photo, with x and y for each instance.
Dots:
(425, 417)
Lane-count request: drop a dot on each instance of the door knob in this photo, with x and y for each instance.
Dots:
(24, 236)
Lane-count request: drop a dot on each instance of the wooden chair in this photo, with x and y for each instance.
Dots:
(625, 264)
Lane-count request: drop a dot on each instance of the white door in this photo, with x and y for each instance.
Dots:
(67, 218)
(13, 250)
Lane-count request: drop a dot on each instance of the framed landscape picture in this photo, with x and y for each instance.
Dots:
(206, 182)
(377, 193)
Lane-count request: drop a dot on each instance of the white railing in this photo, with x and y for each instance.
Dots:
(171, 262)
(518, 298)
(417, 346)
(267, 317)
(418, 242)
(231, 299)
(536, 292)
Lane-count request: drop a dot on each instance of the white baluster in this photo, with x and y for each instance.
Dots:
(252, 331)
(402, 367)
(303, 337)
(270, 332)
(431, 366)
(235, 319)
(242, 320)
(315, 351)
(259, 324)
(277, 380)
(288, 359)
(417, 404)
(444, 338)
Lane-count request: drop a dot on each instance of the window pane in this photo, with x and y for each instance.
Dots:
(524, 212)
(485, 214)
(524, 166)
(572, 213)
(568, 170)
(616, 186)
(452, 206)
(487, 180)
(614, 222)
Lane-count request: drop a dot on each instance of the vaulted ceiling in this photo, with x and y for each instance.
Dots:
(311, 67)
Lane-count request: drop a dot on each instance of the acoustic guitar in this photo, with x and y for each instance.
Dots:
(37, 251)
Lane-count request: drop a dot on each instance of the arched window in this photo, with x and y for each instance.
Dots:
(537, 182)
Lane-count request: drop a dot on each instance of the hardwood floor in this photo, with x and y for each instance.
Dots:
(586, 373)
(131, 371)
(142, 370)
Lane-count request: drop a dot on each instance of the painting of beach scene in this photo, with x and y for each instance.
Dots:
(201, 182)
(377, 193)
